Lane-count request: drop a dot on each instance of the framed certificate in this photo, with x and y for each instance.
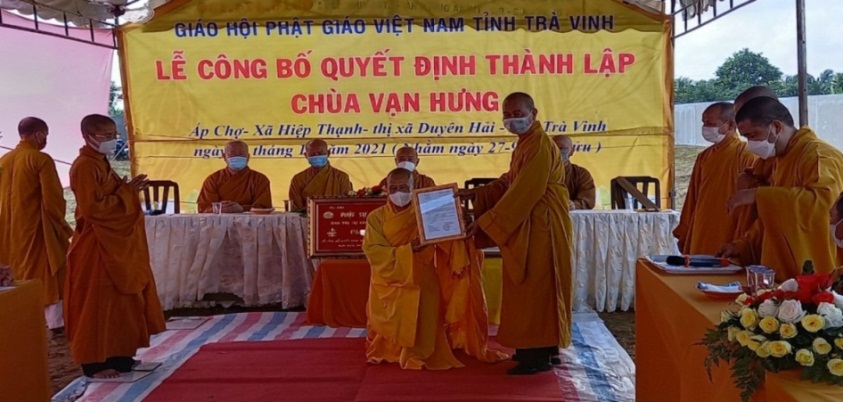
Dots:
(438, 213)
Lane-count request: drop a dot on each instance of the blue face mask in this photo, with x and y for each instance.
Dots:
(317, 161)
(237, 163)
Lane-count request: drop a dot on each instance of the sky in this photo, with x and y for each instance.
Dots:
(765, 26)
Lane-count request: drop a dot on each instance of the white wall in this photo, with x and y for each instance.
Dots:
(825, 116)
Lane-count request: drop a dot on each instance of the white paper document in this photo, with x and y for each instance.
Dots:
(439, 214)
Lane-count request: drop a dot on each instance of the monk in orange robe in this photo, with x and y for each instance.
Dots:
(408, 158)
(424, 301)
(792, 224)
(705, 224)
(754, 176)
(237, 187)
(319, 180)
(33, 233)
(526, 215)
(111, 304)
(578, 180)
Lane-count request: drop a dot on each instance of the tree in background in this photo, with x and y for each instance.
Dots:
(115, 98)
(742, 70)
(745, 69)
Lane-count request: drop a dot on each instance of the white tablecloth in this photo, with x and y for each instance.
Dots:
(260, 258)
(606, 245)
(263, 258)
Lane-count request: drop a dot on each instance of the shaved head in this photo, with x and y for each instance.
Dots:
(764, 111)
(316, 147)
(406, 154)
(752, 93)
(236, 148)
(565, 145)
(722, 111)
(31, 125)
(520, 98)
(93, 123)
(399, 180)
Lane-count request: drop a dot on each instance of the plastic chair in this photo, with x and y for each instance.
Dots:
(153, 200)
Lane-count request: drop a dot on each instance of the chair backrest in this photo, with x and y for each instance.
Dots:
(642, 183)
(158, 193)
(478, 181)
(472, 183)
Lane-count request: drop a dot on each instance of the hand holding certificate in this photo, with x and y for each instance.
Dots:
(439, 214)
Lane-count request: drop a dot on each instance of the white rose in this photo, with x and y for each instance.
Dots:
(833, 316)
(789, 285)
(790, 311)
(742, 298)
(768, 309)
(838, 300)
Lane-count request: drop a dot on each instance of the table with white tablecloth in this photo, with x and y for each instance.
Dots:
(606, 246)
(260, 258)
(263, 258)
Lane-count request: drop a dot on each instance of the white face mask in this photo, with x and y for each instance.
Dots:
(518, 125)
(407, 165)
(764, 149)
(400, 198)
(107, 148)
(712, 134)
(833, 230)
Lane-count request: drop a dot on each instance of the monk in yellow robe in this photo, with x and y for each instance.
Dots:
(408, 158)
(578, 180)
(792, 224)
(705, 224)
(526, 215)
(319, 180)
(756, 175)
(424, 301)
(111, 303)
(33, 233)
(237, 187)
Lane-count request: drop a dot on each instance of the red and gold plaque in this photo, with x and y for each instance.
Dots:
(337, 225)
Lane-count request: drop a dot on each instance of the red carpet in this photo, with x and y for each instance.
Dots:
(333, 369)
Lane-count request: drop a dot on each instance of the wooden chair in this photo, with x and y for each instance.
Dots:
(472, 183)
(642, 184)
(153, 194)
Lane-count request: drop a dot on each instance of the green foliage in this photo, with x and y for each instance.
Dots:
(745, 69)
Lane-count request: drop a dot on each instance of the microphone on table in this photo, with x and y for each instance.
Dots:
(697, 261)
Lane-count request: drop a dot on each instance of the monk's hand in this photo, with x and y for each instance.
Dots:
(741, 198)
(466, 194)
(747, 180)
(231, 207)
(729, 250)
(571, 205)
(139, 182)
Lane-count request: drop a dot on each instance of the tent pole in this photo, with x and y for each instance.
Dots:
(802, 62)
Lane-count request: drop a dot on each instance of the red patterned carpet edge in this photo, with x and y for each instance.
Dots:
(333, 369)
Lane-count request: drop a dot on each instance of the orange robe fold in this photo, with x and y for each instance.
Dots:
(525, 213)
(111, 303)
(419, 181)
(327, 181)
(418, 300)
(792, 224)
(246, 187)
(580, 184)
(705, 224)
(34, 236)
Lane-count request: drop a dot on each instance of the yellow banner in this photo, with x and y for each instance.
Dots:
(371, 76)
